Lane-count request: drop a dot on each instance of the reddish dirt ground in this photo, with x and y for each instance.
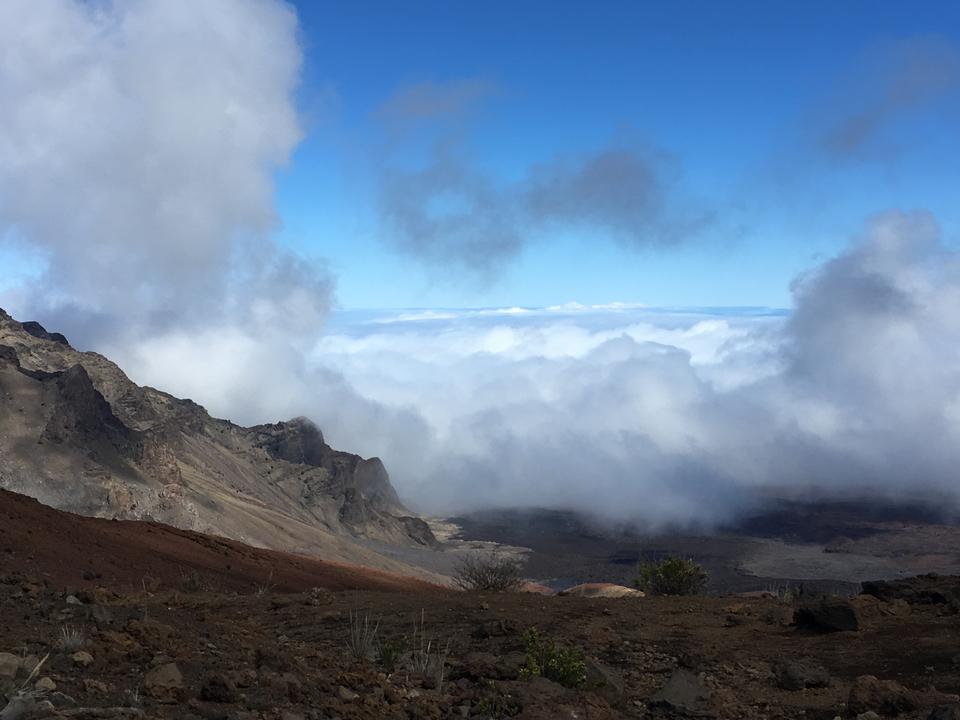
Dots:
(245, 652)
(71, 550)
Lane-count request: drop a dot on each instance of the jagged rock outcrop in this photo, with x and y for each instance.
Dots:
(79, 435)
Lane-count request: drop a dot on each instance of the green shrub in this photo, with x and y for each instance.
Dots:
(672, 576)
(496, 705)
(390, 653)
(547, 658)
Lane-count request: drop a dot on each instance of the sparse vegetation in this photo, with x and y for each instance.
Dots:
(390, 654)
(264, 588)
(496, 705)
(784, 593)
(545, 657)
(428, 658)
(488, 572)
(72, 638)
(671, 576)
(362, 641)
(194, 582)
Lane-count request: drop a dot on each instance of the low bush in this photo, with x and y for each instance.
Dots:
(362, 641)
(495, 704)
(672, 576)
(390, 654)
(547, 658)
(490, 572)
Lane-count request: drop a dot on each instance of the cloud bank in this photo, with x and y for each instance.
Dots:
(138, 143)
(662, 417)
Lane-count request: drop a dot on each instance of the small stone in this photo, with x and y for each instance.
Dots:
(9, 665)
(164, 682)
(800, 674)
(869, 715)
(82, 658)
(95, 686)
(60, 700)
(346, 694)
(45, 685)
(73, 600)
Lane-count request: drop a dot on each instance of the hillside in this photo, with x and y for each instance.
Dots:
(64, 550)
(77, 434)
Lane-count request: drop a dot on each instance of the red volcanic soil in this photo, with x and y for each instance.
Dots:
(78, 551)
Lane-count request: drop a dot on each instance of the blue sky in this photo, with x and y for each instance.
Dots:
(734, 93)
(774, 130)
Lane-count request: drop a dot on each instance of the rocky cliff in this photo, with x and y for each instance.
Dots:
(77, 434)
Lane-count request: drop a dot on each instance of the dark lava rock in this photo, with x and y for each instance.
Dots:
(882, 696)
(800, 674)
(829, 614)
(945, 712)
(219, 689)
(32, 327)
(605, 682)
(684, 693)
(9, 355)
(931, 589)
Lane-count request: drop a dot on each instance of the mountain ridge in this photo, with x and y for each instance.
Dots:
(77, 434)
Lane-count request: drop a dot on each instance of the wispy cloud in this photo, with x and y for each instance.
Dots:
(442, 208)
(890, 82)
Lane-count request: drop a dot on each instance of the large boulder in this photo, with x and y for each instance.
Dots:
(828, 614)
(684, 693)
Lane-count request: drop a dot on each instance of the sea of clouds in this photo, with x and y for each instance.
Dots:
(139, 143)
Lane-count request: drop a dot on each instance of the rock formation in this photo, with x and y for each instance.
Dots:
(77, 434)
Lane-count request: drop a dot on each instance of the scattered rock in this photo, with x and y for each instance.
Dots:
(20, 707)
(164, 682)
(605, 682)
(9, 666)
(830, 614)
(82, 658)
(882, 696)
(945, 712)
(800, 674)
(219, 689)
(930, 589)
(45, 685)
(59, 700)
(95, 687)
(869, 715)
(346, 694)
(684, 693)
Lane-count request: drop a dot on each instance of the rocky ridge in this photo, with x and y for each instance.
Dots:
(77, 434)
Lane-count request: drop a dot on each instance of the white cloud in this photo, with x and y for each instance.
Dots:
(138, 142)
